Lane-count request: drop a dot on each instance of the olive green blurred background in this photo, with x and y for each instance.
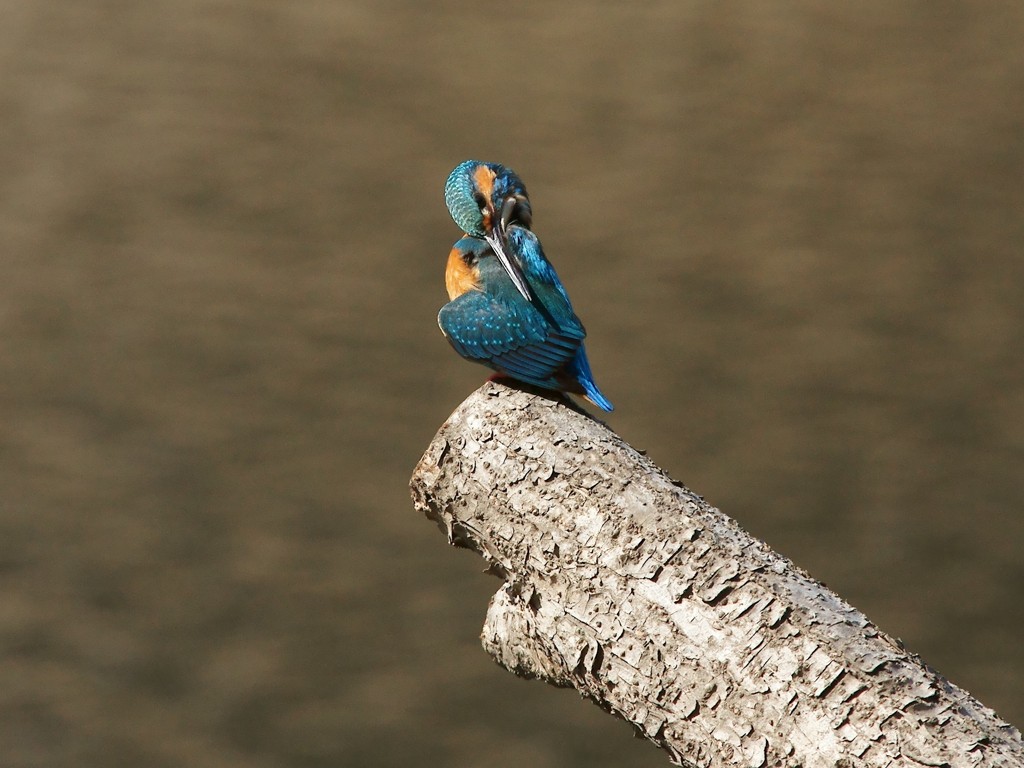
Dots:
(793, 231)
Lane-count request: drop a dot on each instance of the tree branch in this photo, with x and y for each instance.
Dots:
(630, 588)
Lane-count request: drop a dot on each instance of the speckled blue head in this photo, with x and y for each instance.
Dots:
(483, 196)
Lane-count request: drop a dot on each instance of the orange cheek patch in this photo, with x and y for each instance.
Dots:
(484, 178)
(459, 277)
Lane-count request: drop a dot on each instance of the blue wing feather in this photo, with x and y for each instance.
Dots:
(512, 339)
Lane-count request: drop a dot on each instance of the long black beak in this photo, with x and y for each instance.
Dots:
(496, 239)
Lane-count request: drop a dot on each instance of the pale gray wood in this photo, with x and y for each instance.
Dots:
(625, 585)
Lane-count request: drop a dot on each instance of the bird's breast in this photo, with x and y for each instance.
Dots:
(460, 277)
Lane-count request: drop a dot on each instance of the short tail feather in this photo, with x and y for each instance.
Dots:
(580, 367)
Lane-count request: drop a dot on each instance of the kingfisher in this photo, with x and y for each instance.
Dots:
(508, 310)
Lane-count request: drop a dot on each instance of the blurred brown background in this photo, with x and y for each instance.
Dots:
(794, 232)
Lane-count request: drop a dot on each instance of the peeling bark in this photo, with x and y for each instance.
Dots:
(625, 585)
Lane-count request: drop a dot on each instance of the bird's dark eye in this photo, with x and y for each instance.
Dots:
(481, 203)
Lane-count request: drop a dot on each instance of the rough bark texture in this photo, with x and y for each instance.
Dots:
(630, 588)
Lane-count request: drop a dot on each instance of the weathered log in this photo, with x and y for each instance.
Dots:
(625, 585)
